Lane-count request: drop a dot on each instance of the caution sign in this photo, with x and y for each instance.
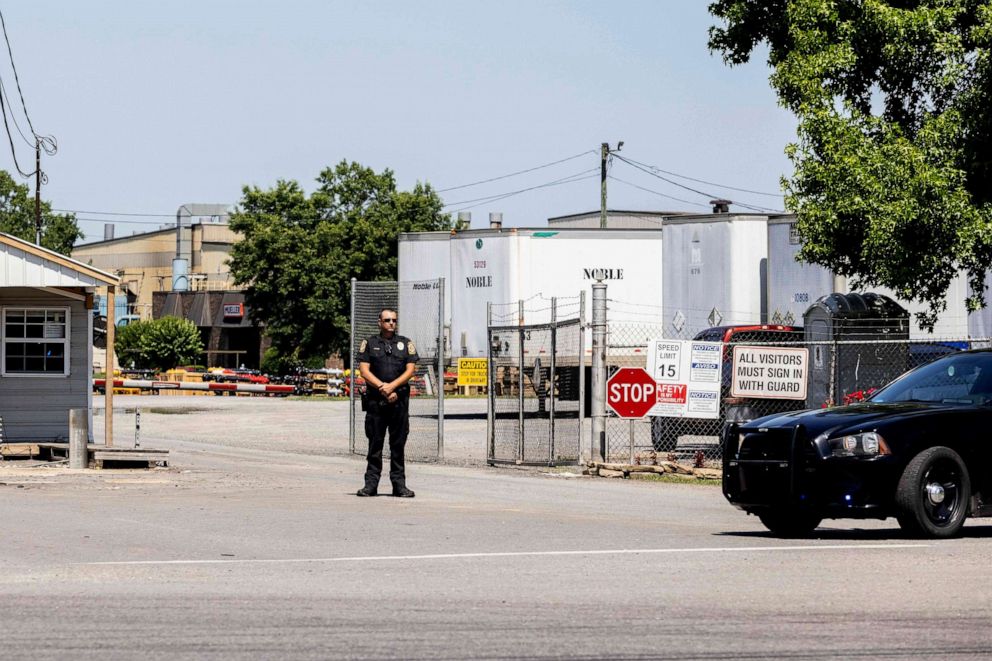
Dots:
(770, 372)
(473, 372)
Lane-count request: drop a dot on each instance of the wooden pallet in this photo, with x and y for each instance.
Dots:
(99, 455)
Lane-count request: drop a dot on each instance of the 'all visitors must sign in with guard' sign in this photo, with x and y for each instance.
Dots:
(770, 372)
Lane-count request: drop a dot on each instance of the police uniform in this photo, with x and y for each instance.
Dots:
(387, 359)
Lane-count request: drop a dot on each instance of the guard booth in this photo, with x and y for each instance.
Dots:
(856, 342)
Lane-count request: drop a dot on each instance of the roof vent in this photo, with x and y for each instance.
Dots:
(721, 206)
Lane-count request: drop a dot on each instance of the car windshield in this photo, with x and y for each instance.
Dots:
(958, 379)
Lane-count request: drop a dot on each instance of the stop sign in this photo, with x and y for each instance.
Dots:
(631, 392)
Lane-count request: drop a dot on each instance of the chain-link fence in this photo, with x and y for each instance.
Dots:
(760, 374)
(419, 306)
(536, 381)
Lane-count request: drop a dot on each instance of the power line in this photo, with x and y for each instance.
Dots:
(119, 221)
(701, 181)
(119, 213)
(3, 90)
(10, 139)
(514, 174)
(689, 188)
(670, 197)
(578, 176)
(47, 142)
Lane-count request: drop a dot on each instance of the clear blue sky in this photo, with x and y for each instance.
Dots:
(159, 104)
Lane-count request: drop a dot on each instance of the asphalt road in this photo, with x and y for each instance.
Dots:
(250, 552)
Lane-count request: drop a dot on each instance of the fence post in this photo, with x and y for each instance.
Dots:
(832, 394)
(440, 370)
(550, 388)
(78, 433)
(520, 381)
(491, 388)
(598, 368)
(351, 365)
(582, 374)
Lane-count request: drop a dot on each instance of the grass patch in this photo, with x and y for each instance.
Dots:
(674, 478)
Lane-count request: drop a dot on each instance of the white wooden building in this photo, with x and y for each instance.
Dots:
(46, 346)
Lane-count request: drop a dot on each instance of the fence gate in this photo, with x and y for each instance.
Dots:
(419, 306)
(536, 391)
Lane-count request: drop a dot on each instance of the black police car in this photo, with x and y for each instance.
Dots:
(919, 449)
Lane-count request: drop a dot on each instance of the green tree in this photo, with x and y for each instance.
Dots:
(158, 344)
(298, 253)
(58, 231)
(893, 164)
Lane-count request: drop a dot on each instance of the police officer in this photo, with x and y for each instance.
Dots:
(387, 362)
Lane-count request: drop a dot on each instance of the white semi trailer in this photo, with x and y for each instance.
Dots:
(714, 272)
(794, 286)
(506, 265)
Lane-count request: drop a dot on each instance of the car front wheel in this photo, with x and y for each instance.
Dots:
(933, 494)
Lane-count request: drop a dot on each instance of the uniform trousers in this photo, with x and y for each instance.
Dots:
(380, 418)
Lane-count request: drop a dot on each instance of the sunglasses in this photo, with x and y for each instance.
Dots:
(392, 320)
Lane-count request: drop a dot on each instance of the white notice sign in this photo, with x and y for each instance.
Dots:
(688, 377)
(770, 372)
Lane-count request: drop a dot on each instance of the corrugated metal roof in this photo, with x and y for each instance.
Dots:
(24, 264)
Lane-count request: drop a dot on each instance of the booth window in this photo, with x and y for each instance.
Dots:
(35, 341)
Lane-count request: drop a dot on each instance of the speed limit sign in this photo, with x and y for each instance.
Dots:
(667, 361)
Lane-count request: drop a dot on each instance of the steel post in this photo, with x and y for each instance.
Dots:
(550, 388)
(491, 389)
(582, 373)
(598, 444)
(520, 383)
(352, 367)
(440, 370)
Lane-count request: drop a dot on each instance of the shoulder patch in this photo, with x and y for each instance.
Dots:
(364, 345)
(410, 348)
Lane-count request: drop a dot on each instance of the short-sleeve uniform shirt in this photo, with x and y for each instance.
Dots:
(387, 359)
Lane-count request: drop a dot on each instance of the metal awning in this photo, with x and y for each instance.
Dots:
(24, 264)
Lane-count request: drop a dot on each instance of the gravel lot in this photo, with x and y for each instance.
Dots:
(300, 426)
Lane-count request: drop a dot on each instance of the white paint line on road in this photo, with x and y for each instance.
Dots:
(518, 554)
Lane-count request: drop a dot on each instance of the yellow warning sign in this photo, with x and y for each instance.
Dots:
(473, 372)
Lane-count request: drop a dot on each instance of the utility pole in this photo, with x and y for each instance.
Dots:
(604, 155)
(37, 192)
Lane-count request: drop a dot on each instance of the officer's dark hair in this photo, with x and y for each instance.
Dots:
(384, 309)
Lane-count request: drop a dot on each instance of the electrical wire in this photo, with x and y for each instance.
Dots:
(119, 213)
(578, 176)
(670, 197)
(3, 90)
(10, 139)
(46, 142)
(701, 181)
(514, 174)
(690, 189)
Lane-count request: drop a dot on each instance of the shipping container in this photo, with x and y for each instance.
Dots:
(794, 286)
(714, 271)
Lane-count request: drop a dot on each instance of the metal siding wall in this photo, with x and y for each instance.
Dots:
(37, 409)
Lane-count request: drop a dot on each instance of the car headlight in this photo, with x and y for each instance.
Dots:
(865, 444)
